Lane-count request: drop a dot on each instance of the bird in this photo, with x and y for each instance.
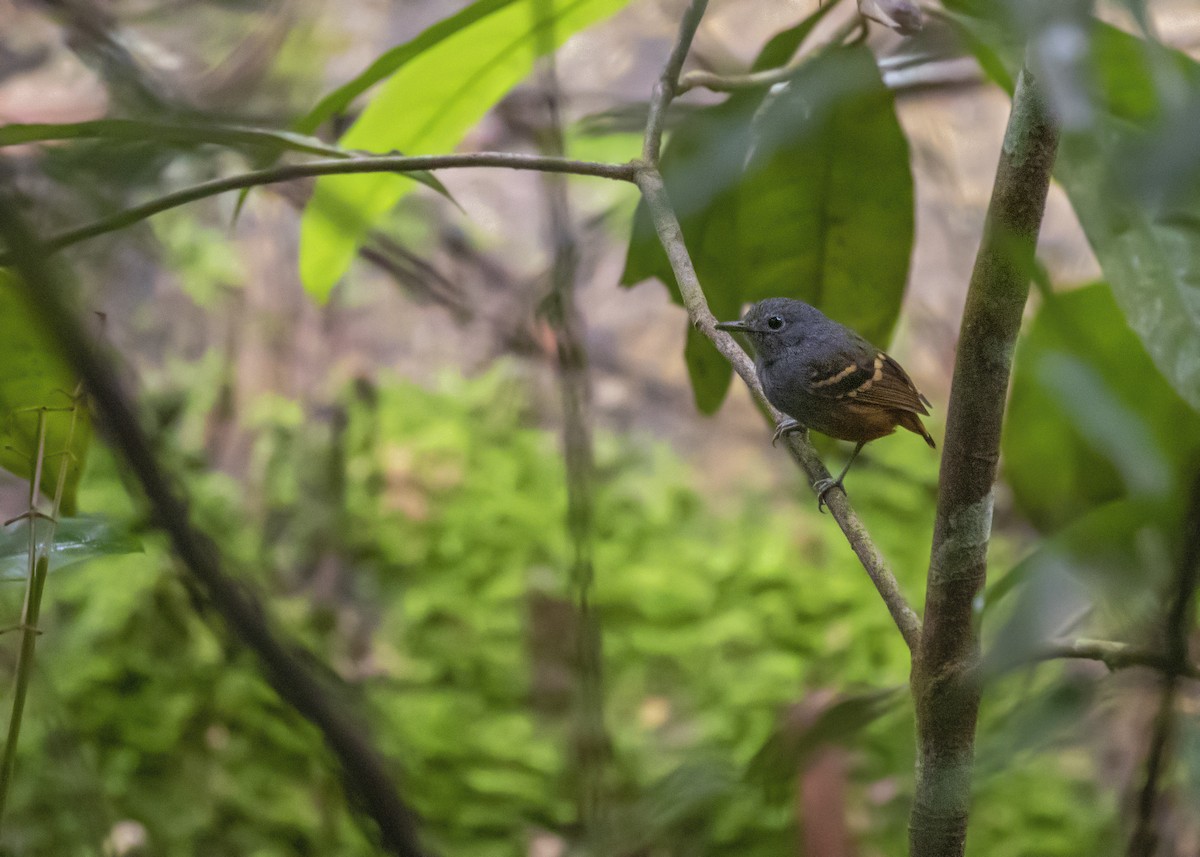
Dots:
(827, 378)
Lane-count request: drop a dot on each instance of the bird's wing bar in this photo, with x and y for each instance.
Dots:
(874, 378)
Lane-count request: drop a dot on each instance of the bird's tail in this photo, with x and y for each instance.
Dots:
(913, 423)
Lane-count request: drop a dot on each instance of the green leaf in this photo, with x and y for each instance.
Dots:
(34, 381)
(435, 95)
(76, 540)
(1148, 243)
(826, 210)
(1091, 419)
(391, 61)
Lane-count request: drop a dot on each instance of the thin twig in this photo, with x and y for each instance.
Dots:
(30, 612)
(768, 77)
(365, 773)
(668, 83)
(1177, 663)
(329, 167)
(1114, 655)
(945, 672)
(670, 235)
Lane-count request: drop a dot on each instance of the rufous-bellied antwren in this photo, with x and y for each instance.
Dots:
(826, 377)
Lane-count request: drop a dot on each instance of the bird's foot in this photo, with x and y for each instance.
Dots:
(823, 487)
(788, 426)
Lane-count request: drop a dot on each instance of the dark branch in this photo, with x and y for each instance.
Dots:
(1177, 663)
(944, 684)
(364, 770)
(591, 745)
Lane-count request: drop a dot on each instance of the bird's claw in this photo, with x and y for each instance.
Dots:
(788, 426)
(823, 487)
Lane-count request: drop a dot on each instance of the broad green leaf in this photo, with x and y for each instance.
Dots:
(1147, 240)
(35, 382)
(1091, 420)
(426, 106)
(76, 540)
(826, 210)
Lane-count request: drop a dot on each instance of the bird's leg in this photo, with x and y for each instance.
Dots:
(823, 486)
(788, 426)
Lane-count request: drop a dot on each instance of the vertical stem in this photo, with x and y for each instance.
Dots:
(591, 745)
(945, 694)
(1179, 620)
(39, 567)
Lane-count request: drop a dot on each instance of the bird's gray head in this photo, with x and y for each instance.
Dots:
(776, 324)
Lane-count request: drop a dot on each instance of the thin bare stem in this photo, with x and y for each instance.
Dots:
(768, 77)
(365, 774)
(39, 569)
(945, 678)
(671, 236)
(1114, 655)
(329, 167)
(668, 83)
(29, 617)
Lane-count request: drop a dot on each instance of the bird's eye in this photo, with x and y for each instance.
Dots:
(775, 322)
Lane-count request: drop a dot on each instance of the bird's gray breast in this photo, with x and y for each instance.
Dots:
(783, 381)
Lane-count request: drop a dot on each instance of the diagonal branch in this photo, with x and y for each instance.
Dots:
(670, 234)
(365, 773)
(945, 689)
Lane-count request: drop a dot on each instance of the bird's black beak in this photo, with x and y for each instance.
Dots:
(732, 325)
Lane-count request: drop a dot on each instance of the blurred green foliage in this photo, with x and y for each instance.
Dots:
(414, 538)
